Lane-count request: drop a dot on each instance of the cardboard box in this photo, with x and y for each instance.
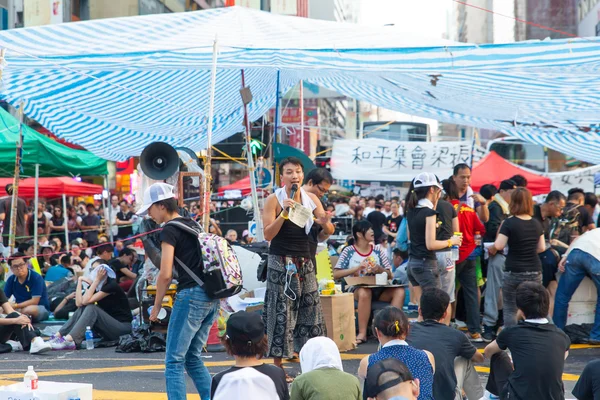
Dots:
(581, 312)
(338, 314)
(370, 280)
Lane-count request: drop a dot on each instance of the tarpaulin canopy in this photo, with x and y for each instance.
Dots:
(116, 85)
(493, 169)
(53, 187)
(242, 185)
(55, 159)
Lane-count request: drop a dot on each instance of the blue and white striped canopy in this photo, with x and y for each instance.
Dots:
(116, 85)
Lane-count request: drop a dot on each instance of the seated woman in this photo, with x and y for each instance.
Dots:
(246, 341)
(104, 307)
(391, 327)
(362, 258)
(323, 376)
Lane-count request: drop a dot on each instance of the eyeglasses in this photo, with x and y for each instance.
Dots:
(320, 188)
(15, 266)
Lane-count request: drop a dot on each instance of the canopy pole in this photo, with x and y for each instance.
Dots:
(246, 98)
(64, 197)
(15, 192)
(36, 203)
(302, 117)
(107, 210)
(275, 129)
(207, 164)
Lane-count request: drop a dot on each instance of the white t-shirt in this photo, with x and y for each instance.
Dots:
(589, 242)
(351, 258)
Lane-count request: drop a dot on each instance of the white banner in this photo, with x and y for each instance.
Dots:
(394, 161)
(582, 178)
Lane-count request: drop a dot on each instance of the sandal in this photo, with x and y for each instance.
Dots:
(360, 341)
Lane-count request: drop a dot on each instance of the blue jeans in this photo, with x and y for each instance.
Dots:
(579, 264)
(193, 315)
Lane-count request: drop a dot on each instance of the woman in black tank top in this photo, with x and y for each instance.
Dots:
(292, 310)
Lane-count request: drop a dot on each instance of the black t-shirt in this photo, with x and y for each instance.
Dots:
(523, 238)
(116, 303)
(91, 236)
(125, 231)
(3, 298)
(496, 217)
(445, 344)
(275, 373)
(537, 214)
(377, 219)
(588, 385)
(416, 227)
(187, 249)
(393, 224)
(6, 208)
(313, 241)
(117, 265)
(42, 221)
(446, 213)
(538, 354)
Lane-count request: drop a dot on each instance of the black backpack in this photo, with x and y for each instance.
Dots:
(567, 226)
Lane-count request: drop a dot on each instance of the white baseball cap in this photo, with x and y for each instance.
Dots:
(156, 192)
(426, 179)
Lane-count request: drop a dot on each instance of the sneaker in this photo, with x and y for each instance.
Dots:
(38, 346)
(475, 337)
(488, 334)
(16, 346)
(461, 324)
(488, 396)
(62, 344)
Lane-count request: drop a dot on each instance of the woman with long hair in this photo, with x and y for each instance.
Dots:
(57, 223)
(391, 326)
(524, 236)
(423, 271)
(362, 258)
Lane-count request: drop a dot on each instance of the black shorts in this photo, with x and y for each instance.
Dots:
(549, 261)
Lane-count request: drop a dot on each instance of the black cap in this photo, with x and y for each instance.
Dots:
(398, 372)
(507, 184)
(245, 327)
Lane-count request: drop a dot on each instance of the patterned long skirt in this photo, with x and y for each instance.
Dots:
(292, 312)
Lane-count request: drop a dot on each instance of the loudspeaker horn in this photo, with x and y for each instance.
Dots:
(159, 160)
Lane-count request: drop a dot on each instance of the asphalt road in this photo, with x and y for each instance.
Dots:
(117, 376)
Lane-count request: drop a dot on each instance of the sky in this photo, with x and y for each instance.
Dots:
(426, 17)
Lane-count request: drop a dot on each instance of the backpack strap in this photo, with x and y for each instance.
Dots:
(181, 263)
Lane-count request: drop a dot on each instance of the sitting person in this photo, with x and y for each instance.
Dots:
(46, 261)
(537, 347)
(323, 376)
(105, 252)
(104, 307)
(246, 341)
(29, 289)
(452, 350)
(122, 267)
(588, 385)
(19, 325)
(391, 327)
(399, 264)
(247, 384)
(390, 379)
(60, 271)
(362, 258)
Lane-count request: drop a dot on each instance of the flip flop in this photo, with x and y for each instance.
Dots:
(360, 341)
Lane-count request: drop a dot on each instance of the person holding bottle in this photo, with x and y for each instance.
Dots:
(423, 271)
(466, 272)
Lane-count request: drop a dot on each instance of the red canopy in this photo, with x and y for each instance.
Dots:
(494, 169)
(243, 185)
(53, 187)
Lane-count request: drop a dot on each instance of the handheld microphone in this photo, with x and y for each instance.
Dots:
(293, 193)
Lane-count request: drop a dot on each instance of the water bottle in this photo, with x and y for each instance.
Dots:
(135, 323)
(30, 379)
(89, 338)
(477, 238)
(455, 252)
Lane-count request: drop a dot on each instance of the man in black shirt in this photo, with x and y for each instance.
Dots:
(538, 349)
(6, 215)
(453, 352)
(124, 221)
(499, 211)
(590, 203)
(122, 267)
(377, 219)
(447, 220)
(575, 220)
(588, 385)
(194, 311)
(392, 223)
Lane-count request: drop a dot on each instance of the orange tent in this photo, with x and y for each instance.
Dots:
(493, 169)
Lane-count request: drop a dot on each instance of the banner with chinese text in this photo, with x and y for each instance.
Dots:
(388, 160)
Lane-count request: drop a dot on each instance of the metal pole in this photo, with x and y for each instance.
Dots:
(275, 128)
(64, 196)
(36, 203)
(107, 210)
(302, 116)
(207, 164)
(257, 217)
(15, 194)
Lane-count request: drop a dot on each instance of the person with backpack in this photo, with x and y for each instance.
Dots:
(574, 222)
(194, 311)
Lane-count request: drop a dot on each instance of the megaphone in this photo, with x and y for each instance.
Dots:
(159, 161)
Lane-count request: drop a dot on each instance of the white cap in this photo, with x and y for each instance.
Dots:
(426, 179)
(156, 192)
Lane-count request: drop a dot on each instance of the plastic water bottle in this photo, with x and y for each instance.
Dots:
(89, 338)
(477, 238)
(30, 379)
(135, 323)
(455, 252)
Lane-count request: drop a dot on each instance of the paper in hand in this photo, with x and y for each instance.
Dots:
(300, 215)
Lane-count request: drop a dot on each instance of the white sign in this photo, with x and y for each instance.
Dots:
(42, 12)
(286, 7)
(252, 228)
(582, 178)
(395, 161)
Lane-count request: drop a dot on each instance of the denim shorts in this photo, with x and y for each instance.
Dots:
(43, 314)
(424, 273)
